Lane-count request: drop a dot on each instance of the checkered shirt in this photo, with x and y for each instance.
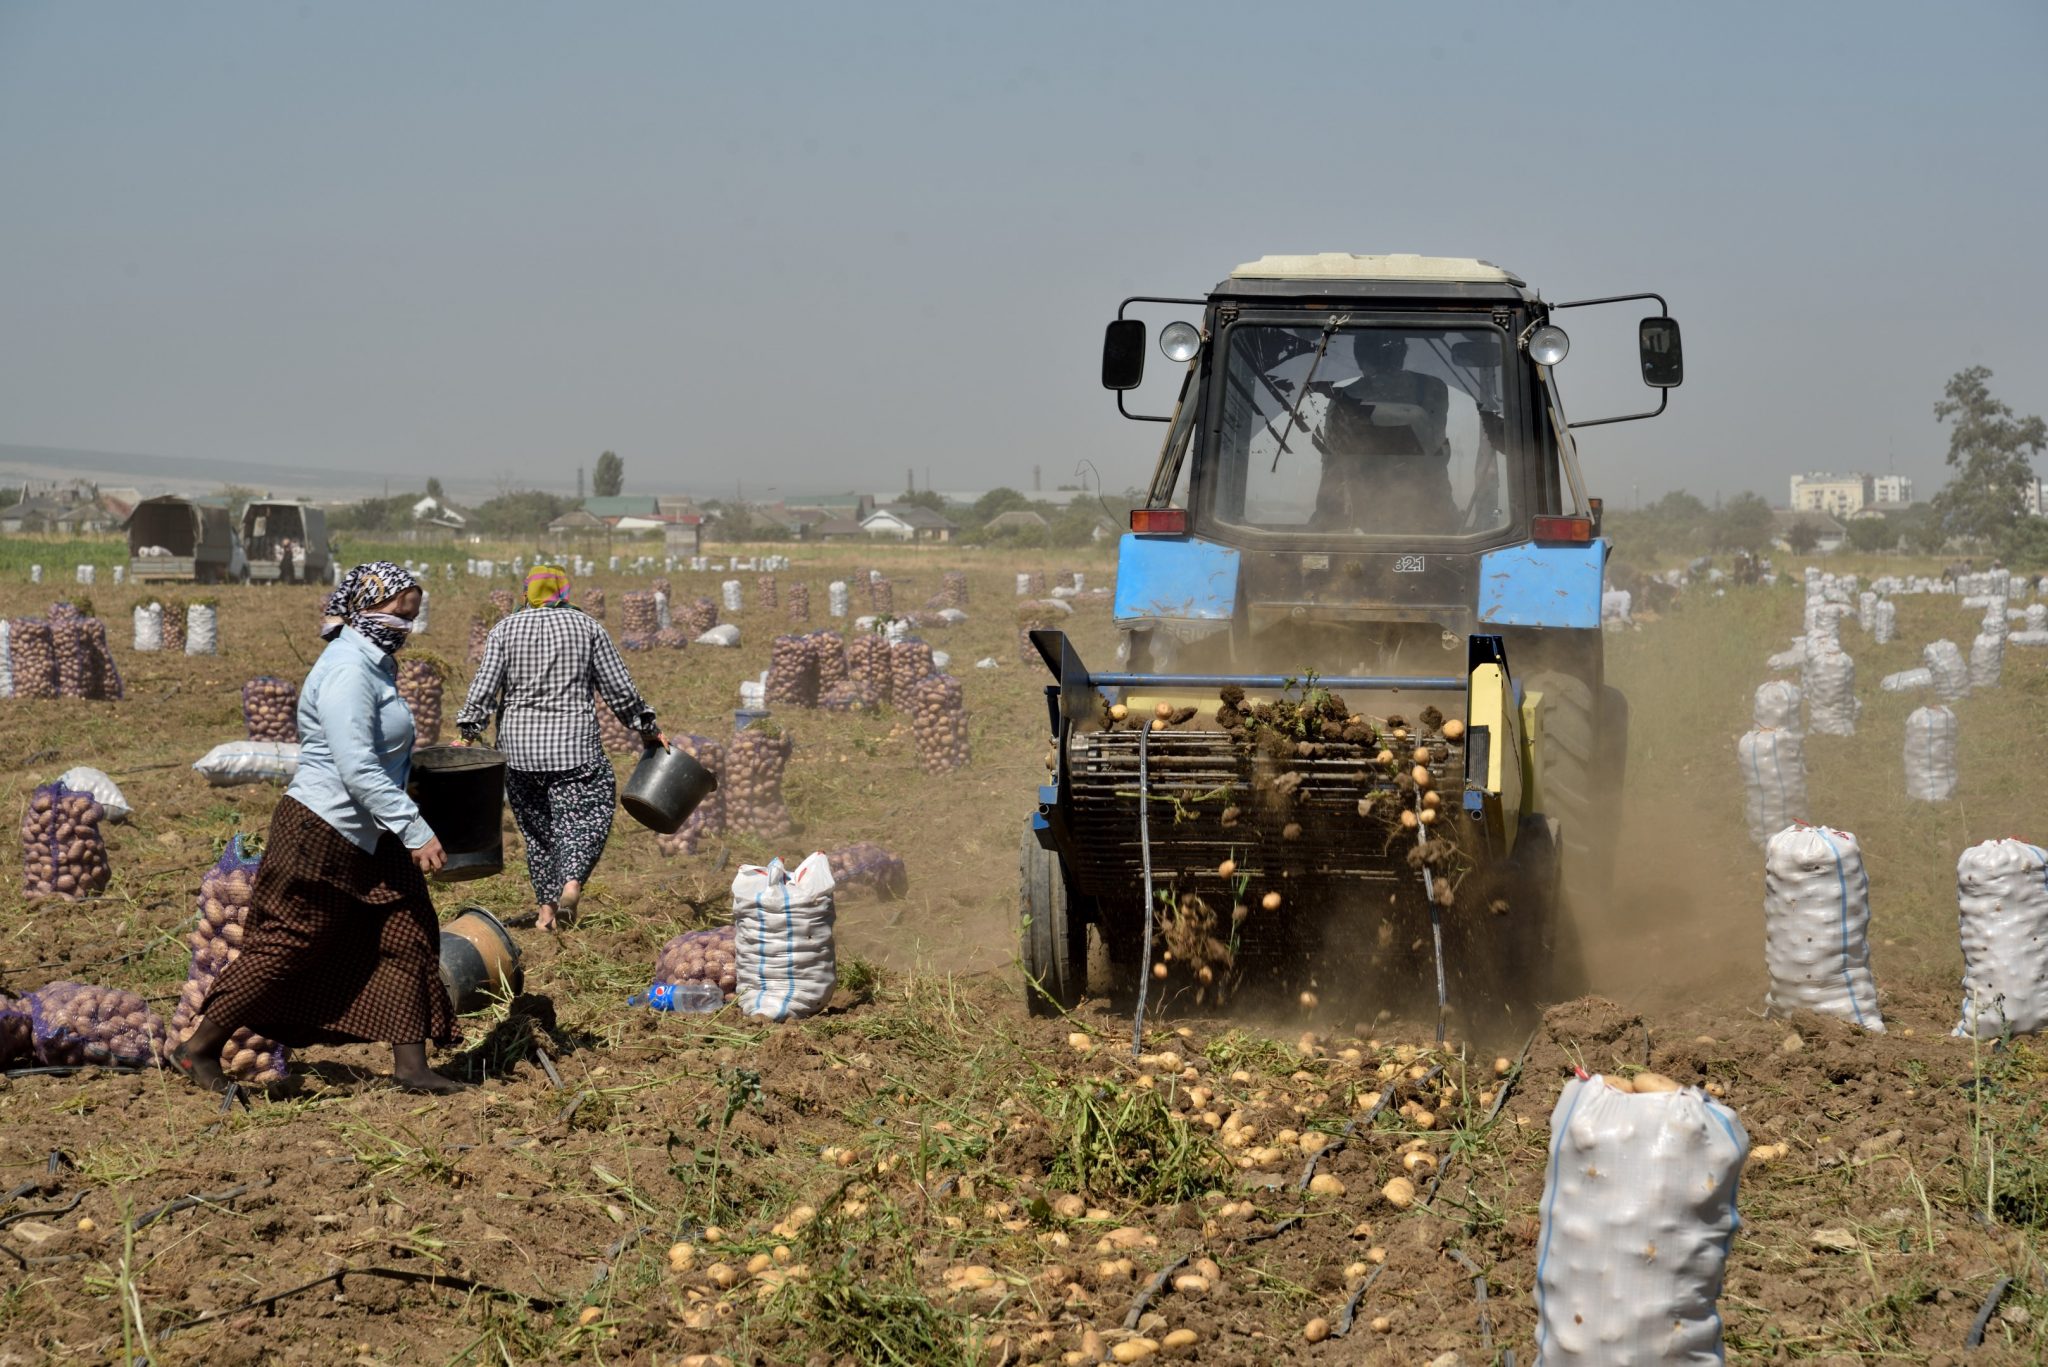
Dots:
(539, 670)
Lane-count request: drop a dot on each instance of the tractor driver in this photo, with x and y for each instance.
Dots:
(1386, 457)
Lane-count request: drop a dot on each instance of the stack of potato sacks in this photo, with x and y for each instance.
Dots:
(63, 854)
(270, 709)
(216, 942)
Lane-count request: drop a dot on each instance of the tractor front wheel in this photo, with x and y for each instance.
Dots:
(1055, 933)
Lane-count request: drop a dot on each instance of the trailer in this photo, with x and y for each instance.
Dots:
(173, 539)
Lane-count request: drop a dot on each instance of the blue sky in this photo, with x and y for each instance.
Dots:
(805, 246)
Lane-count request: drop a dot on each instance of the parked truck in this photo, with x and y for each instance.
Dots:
(286, 542)
(177, 540)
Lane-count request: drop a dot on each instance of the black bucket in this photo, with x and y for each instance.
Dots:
(479, 962)
(665, 787)
(461, 793)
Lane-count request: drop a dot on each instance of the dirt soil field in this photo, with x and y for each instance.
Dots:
(924, 1173)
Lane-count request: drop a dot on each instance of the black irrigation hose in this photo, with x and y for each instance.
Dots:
(1350, 1315)
(1478, 1294)
(1352, 1126)
(65, 1209)
(449, 1280)
(1145, 852)
(148, 1218)
(1975, 1339)
(1153, 1288)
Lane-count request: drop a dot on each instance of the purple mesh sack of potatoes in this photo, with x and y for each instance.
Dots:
(102, 675)
(17, 1033)
(62, 851)
(593, 603)
(174, 628)
(910, 663)
(708, 819)
(938, 716)
(637, 614)
(867, 661)
(662, 587)
(421, 683)
(867, 865)
(800, 603)
(699, 956)
(754, 764)
(479, 635)
(697, 616)
(672, 638)
(881, 597)
(792, 673)
(225, 891)
(32, 656)
(765, 585)
(851, 695)
(75, 1024)
(829, 648)
(270, 709)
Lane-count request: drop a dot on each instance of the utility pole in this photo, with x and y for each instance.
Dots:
(909, 480)
(579, 484)
(1036, 485)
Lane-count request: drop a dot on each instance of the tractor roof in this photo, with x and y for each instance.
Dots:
(1329, 275)
(1393, 266)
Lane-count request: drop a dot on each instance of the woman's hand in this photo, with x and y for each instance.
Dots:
(654, 740)
(430, 857)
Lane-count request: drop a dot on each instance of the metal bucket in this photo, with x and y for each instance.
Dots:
(461, 792)
(479, 962)
(665, 787)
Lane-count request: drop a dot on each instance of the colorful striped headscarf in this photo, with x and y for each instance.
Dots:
(361, 589)
(546, 585)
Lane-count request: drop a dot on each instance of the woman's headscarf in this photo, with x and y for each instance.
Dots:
(546, 585)
(361, 589)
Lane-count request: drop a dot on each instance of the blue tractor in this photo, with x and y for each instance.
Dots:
(1310, 765)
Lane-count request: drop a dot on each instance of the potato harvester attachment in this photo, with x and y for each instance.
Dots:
(1226, 833)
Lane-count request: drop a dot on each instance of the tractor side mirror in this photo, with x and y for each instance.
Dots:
(1663, 356)
(1123, 354)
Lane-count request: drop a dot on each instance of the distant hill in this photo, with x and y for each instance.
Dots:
(179, 474)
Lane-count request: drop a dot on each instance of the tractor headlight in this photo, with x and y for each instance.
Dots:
(1548, 345)
(1180, 341)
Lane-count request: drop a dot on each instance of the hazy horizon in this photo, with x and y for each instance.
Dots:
(810, 246)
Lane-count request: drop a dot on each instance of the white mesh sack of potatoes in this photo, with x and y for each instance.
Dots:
(1776, 705)
(1951, 670)
(1773, 780)
(1931, 754)
(2002, 916)
(1987, 660)
(1884, 621)
(1828, 678)
(1817, 926)
(1638, 1213)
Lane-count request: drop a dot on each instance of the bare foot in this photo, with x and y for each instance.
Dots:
(572, 893)
(429, 1082)
(202, 1070)
(544, 917)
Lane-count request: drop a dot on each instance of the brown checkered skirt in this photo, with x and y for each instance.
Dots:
(340, 946)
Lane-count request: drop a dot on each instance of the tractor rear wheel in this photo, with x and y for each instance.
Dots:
(1055, 933)
(1584, 758)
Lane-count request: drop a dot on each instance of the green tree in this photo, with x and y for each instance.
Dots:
(1872, 534)
(1802, 536)
(434, 490)
(1742, 524)
(996, 502)
(610, 476)
(924, 498)
(238, 496)
(1991, 452)
(519, 513)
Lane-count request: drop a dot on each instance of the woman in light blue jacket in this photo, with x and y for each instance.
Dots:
(341, 944)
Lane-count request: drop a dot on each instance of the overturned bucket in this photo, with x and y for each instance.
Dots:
(479, 962)
(665, 787)
(460, 790)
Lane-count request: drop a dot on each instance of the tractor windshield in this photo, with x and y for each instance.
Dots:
(1361, 430)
